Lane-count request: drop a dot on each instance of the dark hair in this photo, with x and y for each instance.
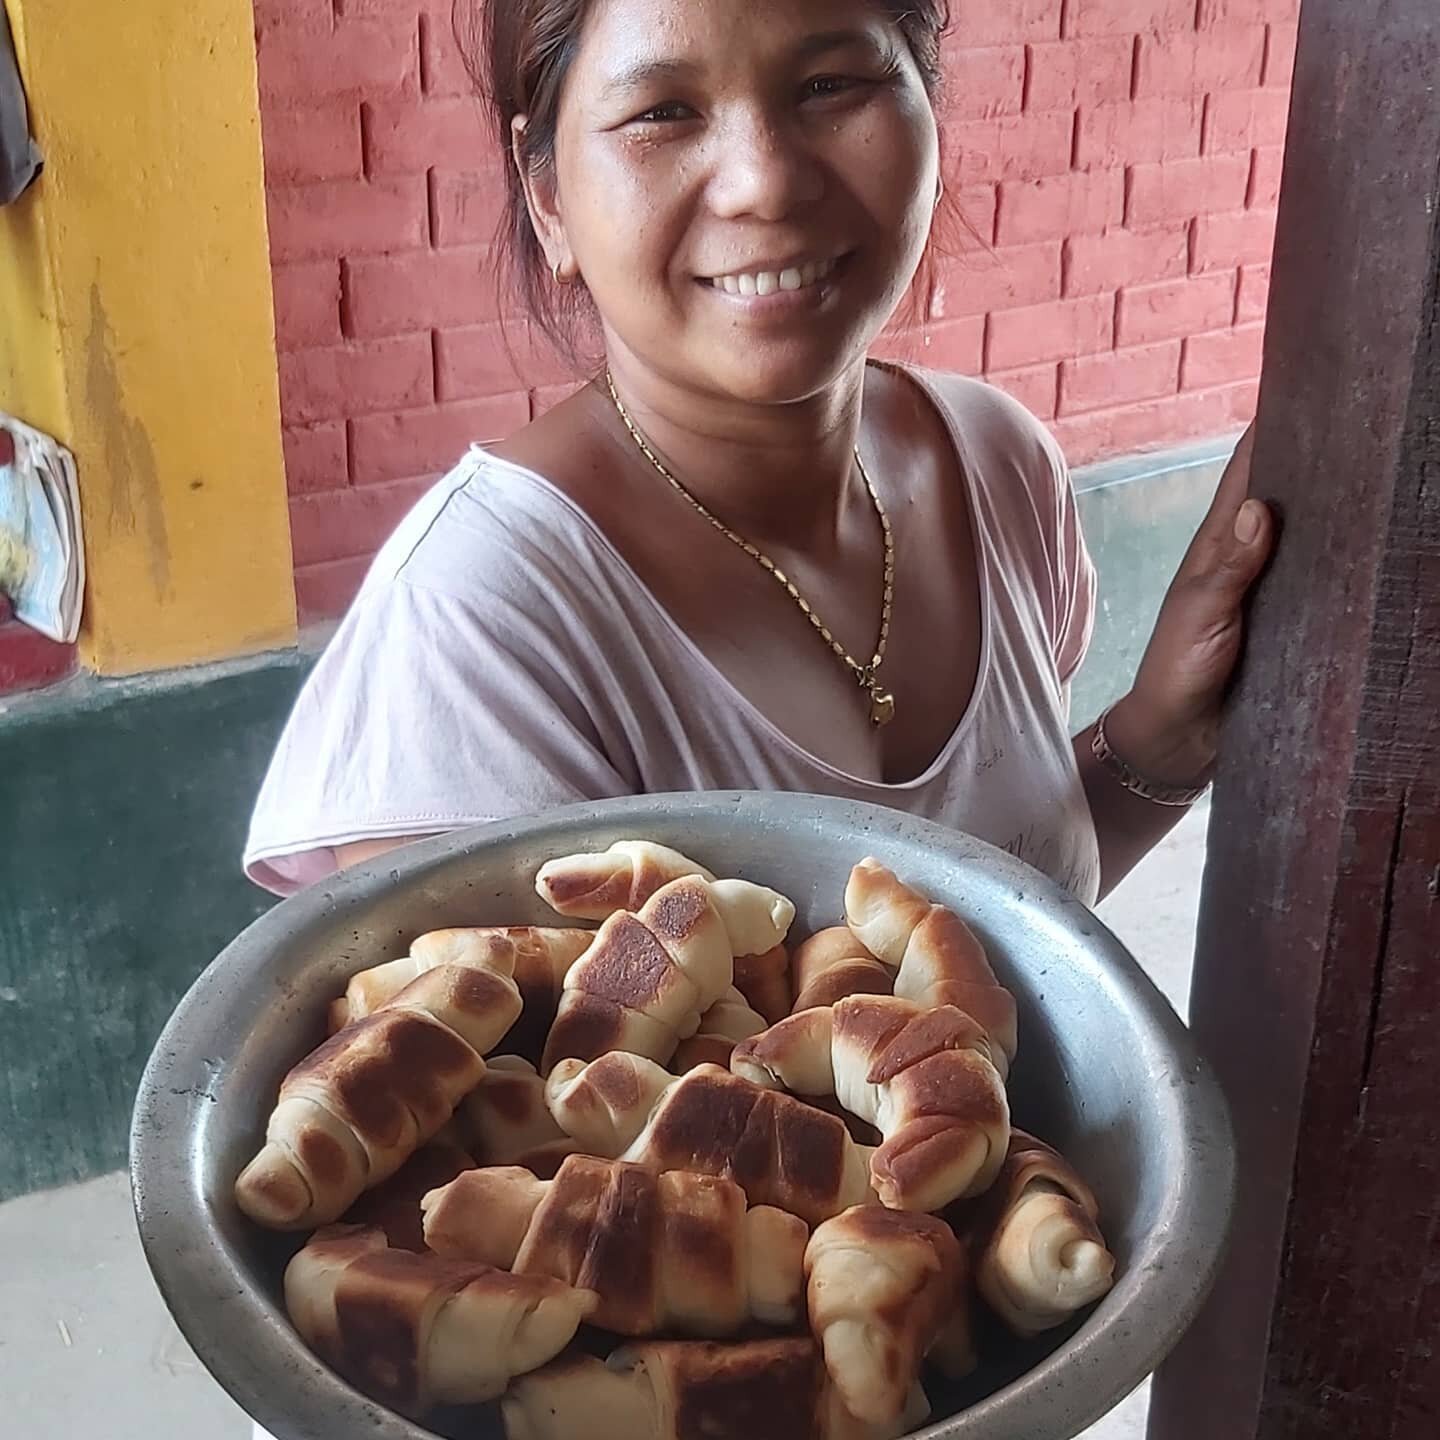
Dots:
(519, 53)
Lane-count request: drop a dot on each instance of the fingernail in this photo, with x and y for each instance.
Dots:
(1247, 523)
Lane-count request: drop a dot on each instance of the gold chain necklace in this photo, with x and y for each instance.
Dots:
(882, 702)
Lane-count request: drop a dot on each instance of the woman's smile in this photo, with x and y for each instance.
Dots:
(776, 293)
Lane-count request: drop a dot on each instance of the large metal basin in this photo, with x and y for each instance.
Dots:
(1106, 1072)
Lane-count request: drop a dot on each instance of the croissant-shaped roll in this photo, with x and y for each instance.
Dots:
(535, 957)
(1040, 1254)
(504, 1120)
(882, 1283)
(671, 1252)
(780, 1151)
(644, 983)
(682, 1390)
(722, 1027)
(393, 1206)
(923, 1078)
(603, 1104)
(416, 1331)
(764, 981)
(350, 1114)
(937, 958)
(624, 877)
(833, 964)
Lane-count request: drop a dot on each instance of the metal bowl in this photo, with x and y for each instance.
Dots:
(1106, 1072)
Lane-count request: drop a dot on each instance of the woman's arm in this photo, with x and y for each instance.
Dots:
(1167, 728)
(359, 851)
(1127, 827)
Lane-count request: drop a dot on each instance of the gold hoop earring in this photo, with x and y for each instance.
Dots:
(560, 279)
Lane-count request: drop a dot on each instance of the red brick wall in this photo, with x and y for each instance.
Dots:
(1120, 157)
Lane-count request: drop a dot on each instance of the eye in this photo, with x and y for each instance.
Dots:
(825, 87)
(666, 113)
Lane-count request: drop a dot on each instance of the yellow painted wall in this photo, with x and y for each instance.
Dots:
(136, 277)
(31, 370)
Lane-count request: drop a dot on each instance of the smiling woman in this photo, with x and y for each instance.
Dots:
(744, 556)
(522, 55)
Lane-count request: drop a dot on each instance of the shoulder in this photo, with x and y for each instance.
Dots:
(995, 426)
(486, 530)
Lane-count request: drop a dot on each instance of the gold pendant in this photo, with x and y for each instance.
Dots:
(882, 705)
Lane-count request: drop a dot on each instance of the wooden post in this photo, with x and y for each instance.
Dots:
(1317, 985)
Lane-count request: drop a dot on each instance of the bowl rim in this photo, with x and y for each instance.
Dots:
(238, 1336)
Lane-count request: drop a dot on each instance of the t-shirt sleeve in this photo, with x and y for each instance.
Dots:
(425, 714)
(1035, 504)
(1075, 579)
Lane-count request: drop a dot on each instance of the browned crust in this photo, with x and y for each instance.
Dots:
(380, 1072)
(588, 1027)
(597, 1230)
(761, 1390)
(780, 1151)
(626, 964)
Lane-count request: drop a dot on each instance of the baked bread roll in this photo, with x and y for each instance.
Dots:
(937, 958)
(644, 983)
(832, 964)
(1040, 1255)
(624, 877)
(923, 1078)
(416, 1331)
(351, 1113)
(780, 1151)
(722, 1027)
(535, 957)
(764, 981)
(881, 1286)
(673, 1252)
(504, 1120)
(760, 1390)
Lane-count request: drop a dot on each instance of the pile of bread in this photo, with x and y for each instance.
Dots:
(785, 1182)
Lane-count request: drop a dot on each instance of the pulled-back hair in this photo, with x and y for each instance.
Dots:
(519, 53)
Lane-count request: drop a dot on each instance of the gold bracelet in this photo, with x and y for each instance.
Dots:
(1178, 796)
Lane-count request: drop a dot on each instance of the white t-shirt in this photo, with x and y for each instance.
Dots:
(502, 659)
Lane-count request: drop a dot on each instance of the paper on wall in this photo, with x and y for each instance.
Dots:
(42, 554)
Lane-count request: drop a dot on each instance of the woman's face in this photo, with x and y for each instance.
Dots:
(746, 187)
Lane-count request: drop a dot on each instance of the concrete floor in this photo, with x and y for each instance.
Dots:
(88, 1350)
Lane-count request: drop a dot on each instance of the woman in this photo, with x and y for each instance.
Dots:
(738, 195)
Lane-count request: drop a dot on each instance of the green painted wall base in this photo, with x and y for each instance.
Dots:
(125, 808)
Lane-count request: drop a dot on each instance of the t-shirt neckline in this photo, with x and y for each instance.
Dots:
(983, 563)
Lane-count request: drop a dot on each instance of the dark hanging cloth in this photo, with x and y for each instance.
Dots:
(19, 158)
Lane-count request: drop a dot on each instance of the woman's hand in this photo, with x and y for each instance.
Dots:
(1166, 728)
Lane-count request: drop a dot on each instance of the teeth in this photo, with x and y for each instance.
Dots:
(767, 282)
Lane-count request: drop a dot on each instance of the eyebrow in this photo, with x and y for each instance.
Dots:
(669, 70)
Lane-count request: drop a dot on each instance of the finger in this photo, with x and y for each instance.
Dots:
(1234, 484)
(1217, 530)
(1237, 557)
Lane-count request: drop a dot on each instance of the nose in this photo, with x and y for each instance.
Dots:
(762, 169)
